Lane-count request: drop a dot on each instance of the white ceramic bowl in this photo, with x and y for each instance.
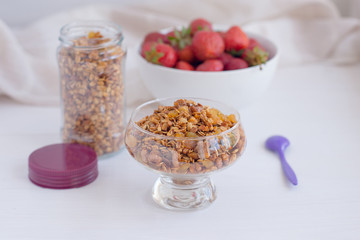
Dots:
(237, 88)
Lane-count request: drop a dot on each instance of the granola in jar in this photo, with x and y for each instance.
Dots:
(91, 61)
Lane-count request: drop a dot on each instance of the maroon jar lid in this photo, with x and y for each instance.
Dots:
(64, 165)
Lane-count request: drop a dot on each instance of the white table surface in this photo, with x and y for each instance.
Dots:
(317, 106)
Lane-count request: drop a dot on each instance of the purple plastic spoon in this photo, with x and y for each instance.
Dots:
(278, 144)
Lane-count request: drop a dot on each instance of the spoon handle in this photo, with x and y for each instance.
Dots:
(289, 173)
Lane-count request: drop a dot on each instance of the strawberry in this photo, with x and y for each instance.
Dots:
(255, 54)
(184, 66)
(207, 45)
(159, 53)
(155, 37)
(211, 65)
(146, 46)
(235, 39)
(225, 58)
(200, 24)
(236, 63)
(186, 54)
(181, 41)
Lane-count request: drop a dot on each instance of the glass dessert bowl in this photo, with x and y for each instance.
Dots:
(185, 140)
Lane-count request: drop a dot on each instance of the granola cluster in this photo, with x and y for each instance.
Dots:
(92, 90)
(190, 139)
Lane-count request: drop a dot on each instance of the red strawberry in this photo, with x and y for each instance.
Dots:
(225, 58)
(155, 37)
(211, 65)
(236, 63)
(207, 45)
(186, 54)
(235, 39)
(255, 54)
(200, 24)
(159, 53)
(184, 66)
(146, 46)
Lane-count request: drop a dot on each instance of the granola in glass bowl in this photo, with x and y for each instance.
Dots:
(184, 140)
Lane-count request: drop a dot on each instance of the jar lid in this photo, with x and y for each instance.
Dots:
(63, 165)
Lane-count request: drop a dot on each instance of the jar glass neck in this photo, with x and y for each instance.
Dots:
(110, 34)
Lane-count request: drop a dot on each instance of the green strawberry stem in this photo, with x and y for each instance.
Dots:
(238, 53)
(256, 56)
(181, 39)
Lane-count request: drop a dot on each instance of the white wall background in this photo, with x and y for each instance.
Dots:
(348, 8)
(18, 13)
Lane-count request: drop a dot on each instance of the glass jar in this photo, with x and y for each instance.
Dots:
(91, 60)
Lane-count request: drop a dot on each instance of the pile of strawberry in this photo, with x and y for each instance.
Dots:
(199, 48)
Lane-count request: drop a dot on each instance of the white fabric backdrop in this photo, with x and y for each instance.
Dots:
(306, 31)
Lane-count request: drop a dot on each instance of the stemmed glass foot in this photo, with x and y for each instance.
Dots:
(183, 193)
